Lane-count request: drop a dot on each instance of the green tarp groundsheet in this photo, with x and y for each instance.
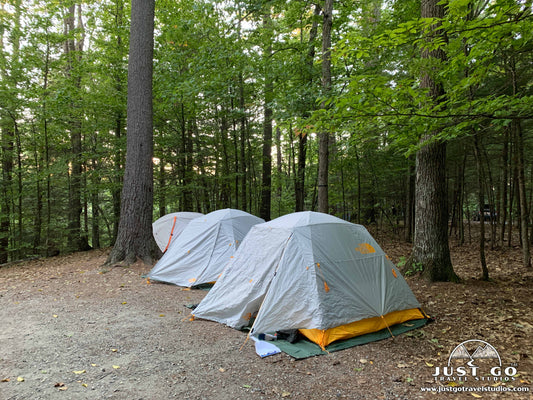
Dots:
(304, 348)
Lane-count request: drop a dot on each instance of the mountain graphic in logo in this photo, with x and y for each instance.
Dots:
(460, 352)
(483, 350)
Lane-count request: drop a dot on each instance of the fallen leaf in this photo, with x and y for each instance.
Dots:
(114, 350)
(63, 388)
(363, 361)
(246, 386)
(222, 370)
(116, 366)
(124, 302)
(476, 395)
(55, 315)
(93, 365)
(429, 364)
(84, 384)
(59, 384)
(161, 315)
(5, 380)
(79, 372)
(285, 394)
(20, 379)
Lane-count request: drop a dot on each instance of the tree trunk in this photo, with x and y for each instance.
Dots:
(119, 116)
(299, 176)
(519, 148)
(225, 190)
(431, 250)
(266, 185)
(323, 144)
(6, 191)
(502, 209)
(481, 202)
(38, 217)
(279, 169)
(524, 213)
(8, 135)
(73, 50)
(242, 146)
(135, 238)
(410, 206)
(162, 203)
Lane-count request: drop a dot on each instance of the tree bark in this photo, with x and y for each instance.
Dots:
(431, 250)
(323, 144)
(410, 201)
(519, 148)
(502, 209)
(266, 185)
(481, 202)
(308, 80)
(73, 50)
(135, 238)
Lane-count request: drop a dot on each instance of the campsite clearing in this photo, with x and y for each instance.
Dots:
(71, 329)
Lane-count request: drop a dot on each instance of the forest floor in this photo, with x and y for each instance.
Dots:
(72, 329)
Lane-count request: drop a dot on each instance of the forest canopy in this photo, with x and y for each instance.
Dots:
(224, 72)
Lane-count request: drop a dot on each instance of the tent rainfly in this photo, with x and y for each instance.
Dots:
(313, 272)
(202, 250)
(169, 226)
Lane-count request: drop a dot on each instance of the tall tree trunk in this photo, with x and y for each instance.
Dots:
(431, 249)
(135, 238)
(524, 213)
(519, 148)
(118, 165)
(242, 145)
(7, 135)
(6, 190)
(266, 185)
(410, 201)
(243, 132)
(299, 182)
(162, 203)
(38, 210)
(481, 202)
(308, 81)
(279, 169)
(323, 143)
(119, 117)
(187, 178)
(502, 209)
(225, 190)
(73, 51)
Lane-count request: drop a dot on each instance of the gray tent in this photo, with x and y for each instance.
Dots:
(313, 272)
(202, 250)
(169, 226)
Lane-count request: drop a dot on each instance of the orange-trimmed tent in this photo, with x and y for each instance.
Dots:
(169, 226)
(202, 250)
(313, 272)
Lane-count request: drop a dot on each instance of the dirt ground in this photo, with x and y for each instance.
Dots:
(71, 329)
